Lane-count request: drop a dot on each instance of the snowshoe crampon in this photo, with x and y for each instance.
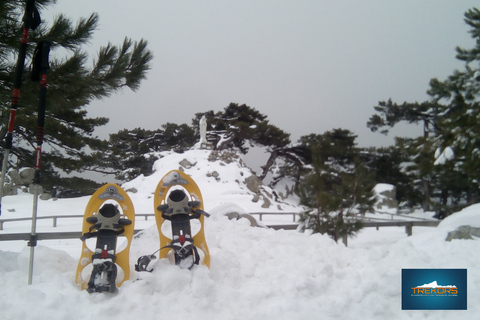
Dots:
(103, 277)
(177, 202)
(108, 215)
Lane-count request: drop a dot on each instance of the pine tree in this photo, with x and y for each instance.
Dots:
(73, 83)
(387, 166)
(131, 153)
(450, 121)
(238, 127)
(458, 125)
(338, 186)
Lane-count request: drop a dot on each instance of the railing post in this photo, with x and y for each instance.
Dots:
(54, 222)
(408, 229)
(1, 225)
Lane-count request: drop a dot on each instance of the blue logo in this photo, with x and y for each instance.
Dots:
(434, 289)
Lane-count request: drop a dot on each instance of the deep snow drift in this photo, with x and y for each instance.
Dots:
(256, 273)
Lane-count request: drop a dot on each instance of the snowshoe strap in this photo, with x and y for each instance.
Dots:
(194, 203)
(177, 203)
(143, 262)
(113, 227)
(200, 212)
(106, 222)
(92, 234)
(108, 218)
(87, 235)
(104, 255)
(194, 249)
(197, 257)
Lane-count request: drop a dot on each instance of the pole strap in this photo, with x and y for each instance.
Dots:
(33, 240)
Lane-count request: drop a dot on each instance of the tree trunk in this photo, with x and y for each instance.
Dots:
(426, 195)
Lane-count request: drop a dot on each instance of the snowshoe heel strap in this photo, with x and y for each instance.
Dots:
(143, 262)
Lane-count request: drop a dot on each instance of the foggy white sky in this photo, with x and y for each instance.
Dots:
(310, 66)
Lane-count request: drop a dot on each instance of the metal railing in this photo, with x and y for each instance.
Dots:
(76, 234)
(145, 215)
(261, 214)
(376, 224)
(45, 235)
(55, 218)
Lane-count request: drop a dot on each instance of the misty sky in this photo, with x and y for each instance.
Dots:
(310, 66)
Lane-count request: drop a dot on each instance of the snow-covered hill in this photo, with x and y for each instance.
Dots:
(222, 177)
(255, 273)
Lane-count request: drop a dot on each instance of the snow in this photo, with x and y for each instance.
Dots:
(382, 187)
(469, 216)
(441, 157)
(255, 273)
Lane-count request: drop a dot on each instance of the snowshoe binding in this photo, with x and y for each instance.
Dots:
(178, 200)
(145, 263)
(179, 211)
(106, 224)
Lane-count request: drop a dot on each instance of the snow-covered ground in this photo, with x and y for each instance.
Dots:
(255, 273)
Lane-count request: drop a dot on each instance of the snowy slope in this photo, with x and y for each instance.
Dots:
(223, 176)
(255, 273)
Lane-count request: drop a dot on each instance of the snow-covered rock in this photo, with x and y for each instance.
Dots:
(386, 197)
(464, 224)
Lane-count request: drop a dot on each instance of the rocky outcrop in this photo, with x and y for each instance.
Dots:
(187, 164)
(214, 175)
(23, 178)
(225, 156)
(463, 232)
(238, 216)
(253, 183)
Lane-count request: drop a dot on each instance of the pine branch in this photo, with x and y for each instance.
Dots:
(63, 34)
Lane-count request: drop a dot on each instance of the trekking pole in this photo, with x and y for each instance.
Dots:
(39, 72)
(31, 20)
